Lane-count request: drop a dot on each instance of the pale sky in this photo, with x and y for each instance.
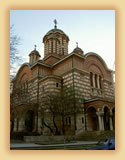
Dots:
(94, 30)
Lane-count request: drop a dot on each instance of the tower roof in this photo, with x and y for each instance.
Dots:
(35, 52)
(54, 31)
(77, 49)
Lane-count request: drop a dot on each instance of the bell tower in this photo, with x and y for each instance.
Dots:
(55, 42)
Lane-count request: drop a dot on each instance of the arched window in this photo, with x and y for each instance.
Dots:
(91, 80)
(57, 84)
(48, 47)
(56, 46)
(82, 120)
(100, 82)
(62, 50)
(52, 46)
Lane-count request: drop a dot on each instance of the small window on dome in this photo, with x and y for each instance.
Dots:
(82, 120)
(57, 84)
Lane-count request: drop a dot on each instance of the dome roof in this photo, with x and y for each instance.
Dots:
(55, 30)
(35, 52)
(52, 36)
(78, 50)
(53, 33)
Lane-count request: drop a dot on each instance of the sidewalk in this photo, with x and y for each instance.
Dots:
(32, 145)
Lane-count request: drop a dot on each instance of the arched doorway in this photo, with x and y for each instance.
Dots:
(29, 121)
(113, 117)
(106, 118)
(92, 119)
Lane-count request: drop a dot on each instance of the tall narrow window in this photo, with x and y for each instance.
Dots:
(48, 47)
(63, 50)
(62, 41)
(56, 47)
(51, 46)
(57, 84)
(61, 82)
(91, 80)
(68, 121)
(82, 120)
(100, 82)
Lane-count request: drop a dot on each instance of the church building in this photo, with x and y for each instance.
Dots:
(84, 72)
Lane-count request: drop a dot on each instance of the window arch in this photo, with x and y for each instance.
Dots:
(91, 80)
(95, 80)
(96, 86)
(100, 81)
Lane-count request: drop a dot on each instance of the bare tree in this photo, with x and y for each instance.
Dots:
(66, 102)
(14, 53)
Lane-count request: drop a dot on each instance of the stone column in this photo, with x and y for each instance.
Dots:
(21, 125)
(93, 79)
(15, 125)
(98, 84)
(99, 120)
(102, 120)
(110, 121)
(35, 123)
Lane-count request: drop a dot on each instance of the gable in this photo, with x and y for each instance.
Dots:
(94, 63)
(23, 74)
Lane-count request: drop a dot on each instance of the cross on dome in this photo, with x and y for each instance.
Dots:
(77, 44)
(55, 22)
(35, 47)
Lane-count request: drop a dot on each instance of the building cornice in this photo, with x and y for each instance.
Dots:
(50, 76)
(100, 99)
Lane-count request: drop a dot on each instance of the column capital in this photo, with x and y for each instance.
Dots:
(110, 113)
(100, 113)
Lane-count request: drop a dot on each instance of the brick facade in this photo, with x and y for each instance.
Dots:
(86, 73)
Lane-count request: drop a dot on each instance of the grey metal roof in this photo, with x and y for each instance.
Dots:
(55, 30)
(77, 49)
(34, 51)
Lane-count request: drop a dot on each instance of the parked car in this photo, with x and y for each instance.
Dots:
(107, 145)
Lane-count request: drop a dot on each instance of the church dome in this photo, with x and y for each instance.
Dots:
(54, 32)
(55, 42)
(34, 51)
(78, 50)
(34, 56)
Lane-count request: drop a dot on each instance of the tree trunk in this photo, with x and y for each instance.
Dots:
(57, 131)
(46, 125)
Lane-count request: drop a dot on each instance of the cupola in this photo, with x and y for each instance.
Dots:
(78, 50)
(55, 42)
(34, 56)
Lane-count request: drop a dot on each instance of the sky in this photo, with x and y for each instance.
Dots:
(94, 30)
